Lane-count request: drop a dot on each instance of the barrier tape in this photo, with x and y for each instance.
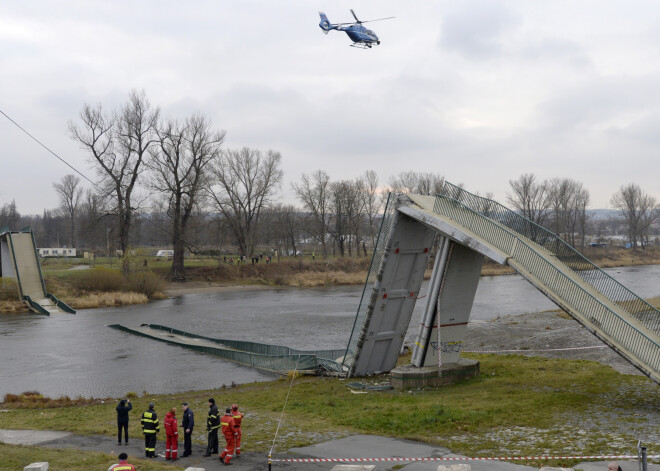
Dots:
(501, 458)
(534, 350)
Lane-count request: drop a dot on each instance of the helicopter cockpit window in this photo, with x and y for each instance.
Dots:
(371, 33)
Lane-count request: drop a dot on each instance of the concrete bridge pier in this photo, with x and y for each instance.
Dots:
(436, 355)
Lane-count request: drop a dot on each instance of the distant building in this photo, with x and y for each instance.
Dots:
(51, 252)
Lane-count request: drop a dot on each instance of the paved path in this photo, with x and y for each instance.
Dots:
(357, 446)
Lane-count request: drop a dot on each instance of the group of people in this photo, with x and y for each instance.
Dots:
(230, 424)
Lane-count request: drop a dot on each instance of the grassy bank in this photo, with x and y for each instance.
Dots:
(103, 285)
(17, 457)
(518, 405)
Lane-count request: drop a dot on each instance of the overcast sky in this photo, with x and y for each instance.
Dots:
(479, 91)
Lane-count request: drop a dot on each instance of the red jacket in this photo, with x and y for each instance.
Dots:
(227, 422)
(238, 417)
(122, 466)
(170, 425)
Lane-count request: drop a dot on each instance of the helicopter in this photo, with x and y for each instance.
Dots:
(361, 36)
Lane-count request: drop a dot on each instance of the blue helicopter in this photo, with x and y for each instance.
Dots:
(361, 36)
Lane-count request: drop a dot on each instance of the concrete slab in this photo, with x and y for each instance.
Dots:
(41, 466)
(354, 467)
(29, 437)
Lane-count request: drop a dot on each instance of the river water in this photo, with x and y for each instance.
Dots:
(79, 355)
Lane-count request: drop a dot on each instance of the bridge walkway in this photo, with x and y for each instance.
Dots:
(614, 314)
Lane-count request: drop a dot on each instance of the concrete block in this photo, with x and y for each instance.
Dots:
(354, 467)
(455, 467)
(409, 376)
(42, 466)
(548, 468)
(195, 469)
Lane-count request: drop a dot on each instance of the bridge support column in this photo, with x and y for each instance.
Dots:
(436, 357)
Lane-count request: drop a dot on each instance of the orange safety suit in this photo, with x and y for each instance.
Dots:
(238, 418)
(123, 465)
(228, 430)
(172, 443)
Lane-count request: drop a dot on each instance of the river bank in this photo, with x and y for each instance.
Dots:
(546, 387)
(102, 286)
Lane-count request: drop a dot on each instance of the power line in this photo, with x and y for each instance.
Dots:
(94, 184)
(44, 146)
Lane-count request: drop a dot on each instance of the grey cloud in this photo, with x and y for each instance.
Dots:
(476, 28)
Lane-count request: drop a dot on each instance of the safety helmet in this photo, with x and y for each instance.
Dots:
(234, 406)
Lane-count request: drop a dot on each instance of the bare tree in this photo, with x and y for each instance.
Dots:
(568, 204)
(242, 184)
(373, 204)
(313, 193)
(118, 144)
(70, 193)
(340, 196)
(423, 183)
(178, 167)
(530, 198)
(637, 210)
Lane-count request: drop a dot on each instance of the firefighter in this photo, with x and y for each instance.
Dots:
(150, 428)
(212, 425)
(238, 418)
(123, 464)
(172, 443)
(229, 431)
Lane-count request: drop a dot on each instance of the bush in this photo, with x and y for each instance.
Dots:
(98, 279)
(145, 282)
(8, 289)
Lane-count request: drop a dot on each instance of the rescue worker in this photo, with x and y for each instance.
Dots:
(172, 440)
(238, 418)
(122, 419)
(123, 465)
(150, 427)
(187, 423)
(229, 431)
(212, 425)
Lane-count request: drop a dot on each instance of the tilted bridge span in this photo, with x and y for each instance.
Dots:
(470, 228)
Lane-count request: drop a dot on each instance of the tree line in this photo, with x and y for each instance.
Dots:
(163, 181)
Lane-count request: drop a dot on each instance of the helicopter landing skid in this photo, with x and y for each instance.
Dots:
(361, 46)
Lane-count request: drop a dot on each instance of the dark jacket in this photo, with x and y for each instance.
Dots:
(188, 421)
(150, 422)
(213, 421)
(122, 413)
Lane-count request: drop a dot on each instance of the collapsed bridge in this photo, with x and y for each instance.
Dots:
(466, 228)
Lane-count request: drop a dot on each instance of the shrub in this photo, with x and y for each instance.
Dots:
(145, 282)
(98, 279)
(8, 289)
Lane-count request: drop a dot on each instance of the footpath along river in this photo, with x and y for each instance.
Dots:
(79, 355)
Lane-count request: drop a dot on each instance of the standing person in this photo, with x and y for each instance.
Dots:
(122, 419)
(172, 433)
(187, 423)
(229, 431)
(212, 425)
(150, 427)
(238, 418)
(123, 465)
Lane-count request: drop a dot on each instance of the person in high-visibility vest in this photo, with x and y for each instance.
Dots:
(238, 418)
(123, 464)
(212, 425)
(172, 442)
(229, 431)
(150, 427)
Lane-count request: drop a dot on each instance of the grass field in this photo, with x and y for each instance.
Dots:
(546, 402)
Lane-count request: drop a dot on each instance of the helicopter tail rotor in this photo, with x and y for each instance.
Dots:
(325, 24)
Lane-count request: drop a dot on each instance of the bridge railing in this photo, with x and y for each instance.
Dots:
(569, 293)
(583, 267)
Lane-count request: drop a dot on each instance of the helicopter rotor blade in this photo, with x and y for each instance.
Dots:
(379, 19)
(355, 16)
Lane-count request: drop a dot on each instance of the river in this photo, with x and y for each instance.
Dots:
(78, 355)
